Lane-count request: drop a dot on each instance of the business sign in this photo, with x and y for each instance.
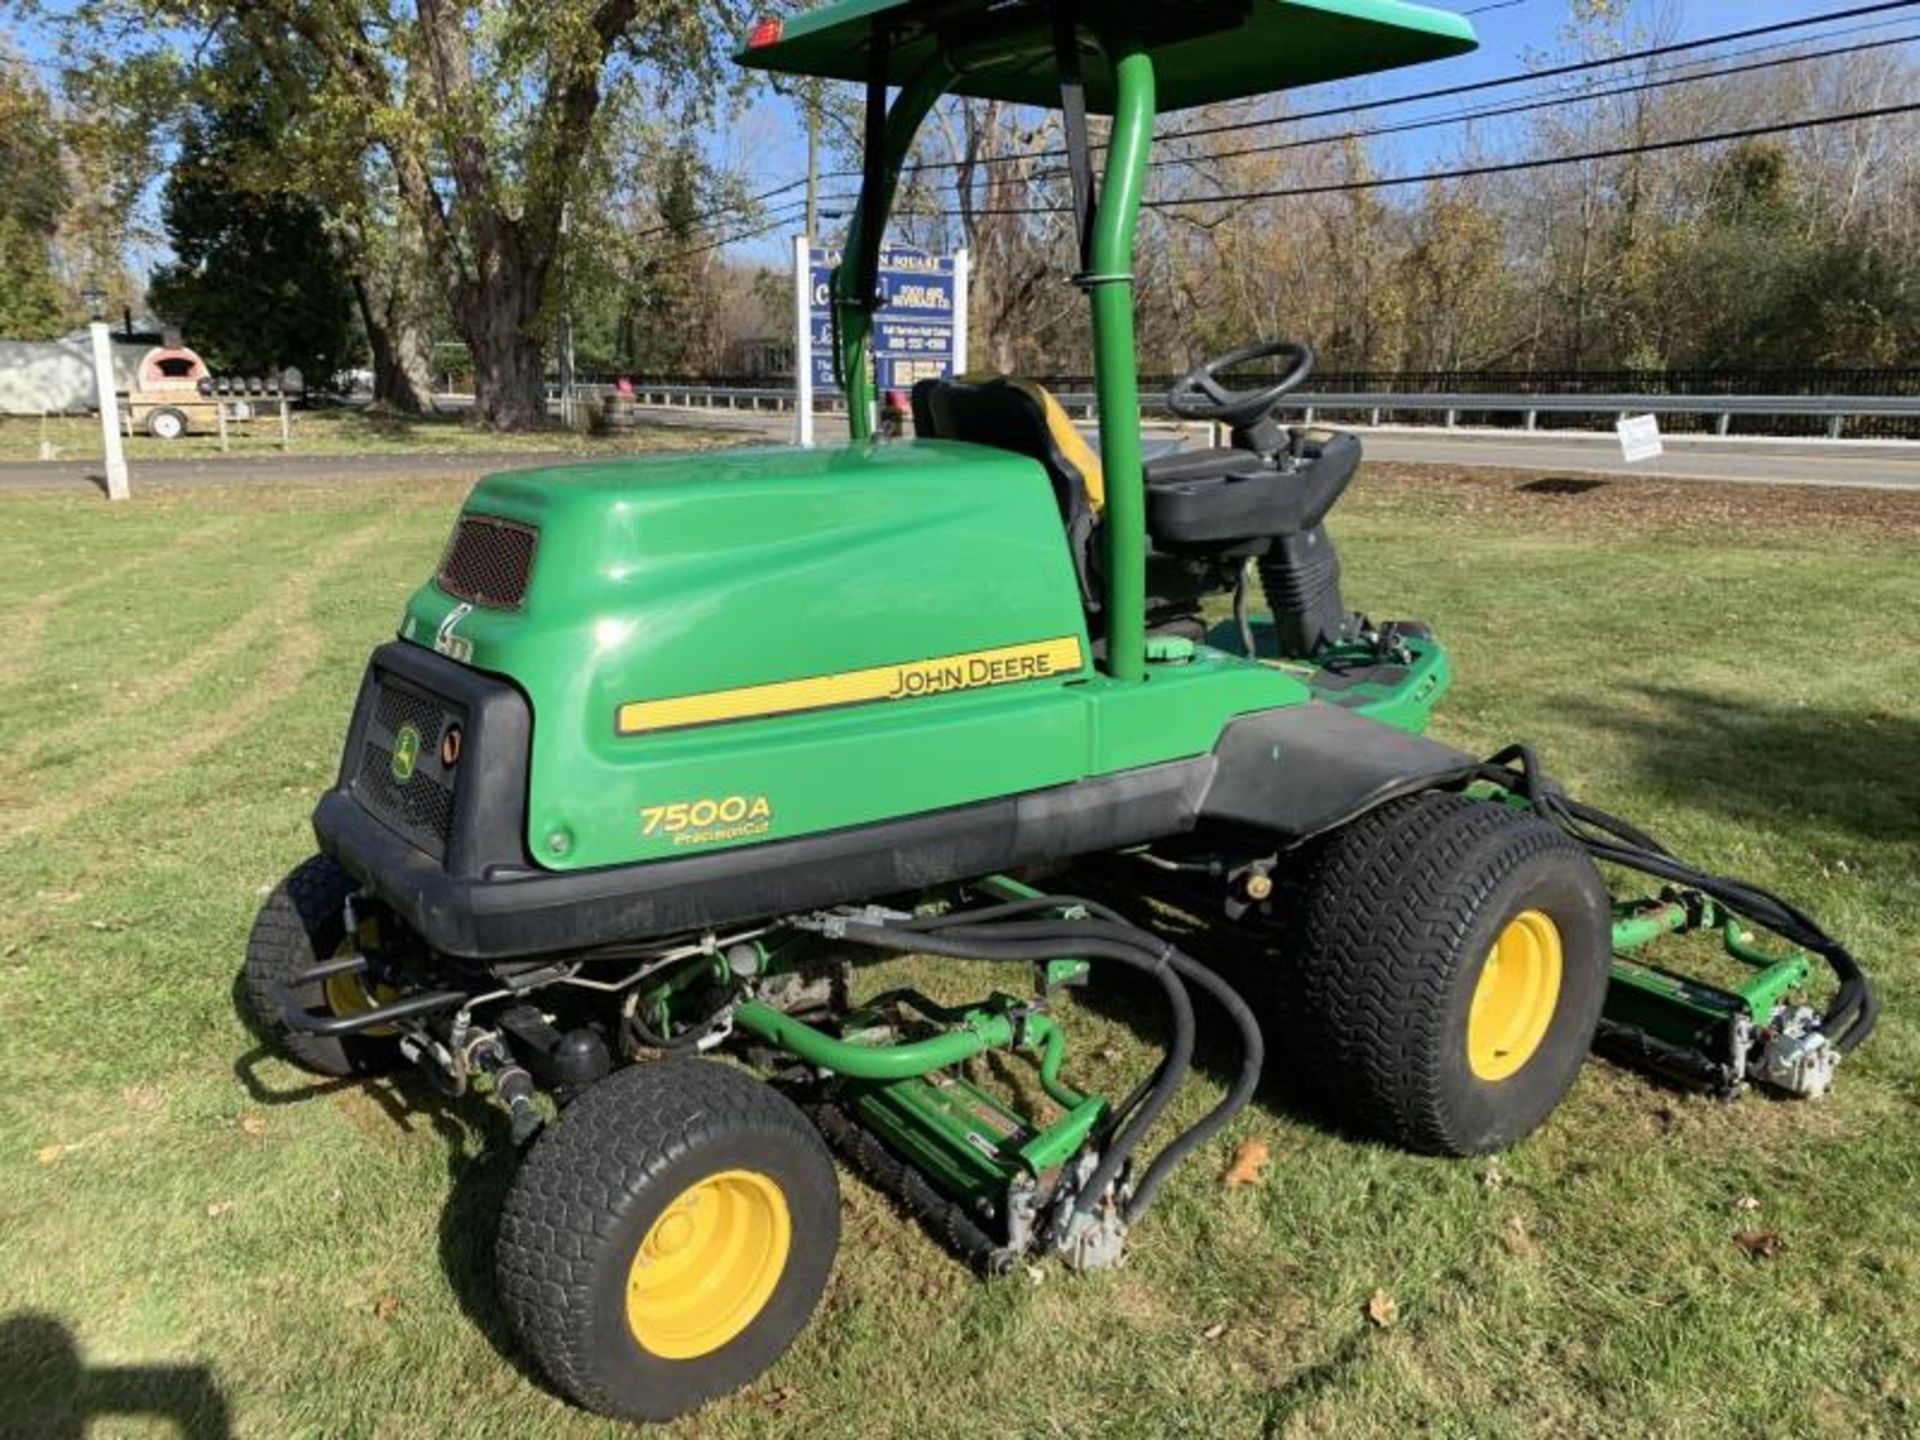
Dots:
(919, 328)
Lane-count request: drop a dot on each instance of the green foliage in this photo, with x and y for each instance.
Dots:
(33, 197)
(256, 283)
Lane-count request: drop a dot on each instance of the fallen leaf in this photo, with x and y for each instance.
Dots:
(47, 1154)
(1035, 1275)
(1248, 1160)
(1761, 1244)
(253, 1123)
(386, 1307)
(1214, 1331)
(1383, 1310)
(1493, 1177)
(779, 1396)
(217, 1208)
(1518, 1239)
(1747, 1202)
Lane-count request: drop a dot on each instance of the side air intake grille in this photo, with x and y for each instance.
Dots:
(408, 770)
(488, 562)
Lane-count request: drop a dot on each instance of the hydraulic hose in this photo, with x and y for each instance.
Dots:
(1108, 935)
(1851, 1014)
(1138, 953)
(1073, 934)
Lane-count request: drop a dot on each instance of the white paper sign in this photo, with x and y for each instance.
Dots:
(1640, 438)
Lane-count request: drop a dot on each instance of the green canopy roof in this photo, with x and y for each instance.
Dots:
(1203, 50)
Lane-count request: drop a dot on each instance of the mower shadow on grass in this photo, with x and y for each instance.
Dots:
(1847, 769)
(481, 1163)
(53, 1394)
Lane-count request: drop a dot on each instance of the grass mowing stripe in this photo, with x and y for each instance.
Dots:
(327, 1264)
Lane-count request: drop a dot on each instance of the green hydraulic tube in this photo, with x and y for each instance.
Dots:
(1640, 925)
(1110, 283)
(1038, 1027)
(1679, 1010)
(983, 1031)
(859, 263)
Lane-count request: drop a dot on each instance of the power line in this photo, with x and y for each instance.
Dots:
(795, 215)
(1451, 91)
(1574, 67)
(1503, 167)
(1564, 96)
(736, 208)
(1494, 112)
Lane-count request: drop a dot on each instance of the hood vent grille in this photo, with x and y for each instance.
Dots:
(489, 562)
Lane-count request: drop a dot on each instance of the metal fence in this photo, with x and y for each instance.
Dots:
(1832, 416)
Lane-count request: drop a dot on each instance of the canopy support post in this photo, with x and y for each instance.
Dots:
(856, 280)
(1108, 279)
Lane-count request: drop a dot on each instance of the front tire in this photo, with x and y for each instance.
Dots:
(1449, 959)
(668, 1237)
(302, 923)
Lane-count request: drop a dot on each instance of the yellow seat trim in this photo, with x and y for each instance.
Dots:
(1067, 438)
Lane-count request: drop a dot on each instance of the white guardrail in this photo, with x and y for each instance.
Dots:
(1834, 409)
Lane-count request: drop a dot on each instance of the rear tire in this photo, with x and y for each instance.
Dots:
(621, 1245)
(1448, 962)
(302, 923)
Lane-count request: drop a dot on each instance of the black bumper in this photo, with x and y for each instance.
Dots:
(1289, 774)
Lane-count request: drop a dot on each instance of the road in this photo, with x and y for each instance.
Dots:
(1866, 465)
(1854, 465)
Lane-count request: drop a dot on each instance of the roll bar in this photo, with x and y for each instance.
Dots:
(1108, 226)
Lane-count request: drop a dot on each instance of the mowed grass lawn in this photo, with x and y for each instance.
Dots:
(330, 432)
(190, 1227)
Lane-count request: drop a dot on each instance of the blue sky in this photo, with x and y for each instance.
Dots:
(767, 144)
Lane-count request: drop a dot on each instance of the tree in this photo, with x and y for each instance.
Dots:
(482, 115)
(256, 280)
(486, 113)
(33, 197)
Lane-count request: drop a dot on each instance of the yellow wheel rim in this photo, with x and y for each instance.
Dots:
(1514, 1001)
(349, 994)
(708, 1265)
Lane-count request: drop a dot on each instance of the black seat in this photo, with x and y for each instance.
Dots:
(1200, 500)
(1022, 416)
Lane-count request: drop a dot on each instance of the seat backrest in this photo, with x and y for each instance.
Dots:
(1017, 415)
(1021, 416)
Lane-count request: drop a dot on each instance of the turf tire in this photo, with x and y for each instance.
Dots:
(1393, 923)
(591, 1188)
(302, 923)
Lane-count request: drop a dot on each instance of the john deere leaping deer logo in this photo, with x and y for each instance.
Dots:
(406, 753)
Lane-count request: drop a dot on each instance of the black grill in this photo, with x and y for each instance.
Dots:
(421, 806)
(488, 562)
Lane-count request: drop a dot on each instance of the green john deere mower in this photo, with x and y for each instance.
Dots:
(667, 744)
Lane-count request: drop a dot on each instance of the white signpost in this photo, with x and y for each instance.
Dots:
(117, 488)
(919, 331)
(1640, 438)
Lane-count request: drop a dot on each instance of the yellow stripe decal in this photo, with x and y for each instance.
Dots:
(970, 670)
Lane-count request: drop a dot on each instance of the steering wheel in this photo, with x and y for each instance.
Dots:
(1199, 395)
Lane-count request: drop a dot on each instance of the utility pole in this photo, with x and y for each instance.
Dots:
(566, 313)
(812, 103)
